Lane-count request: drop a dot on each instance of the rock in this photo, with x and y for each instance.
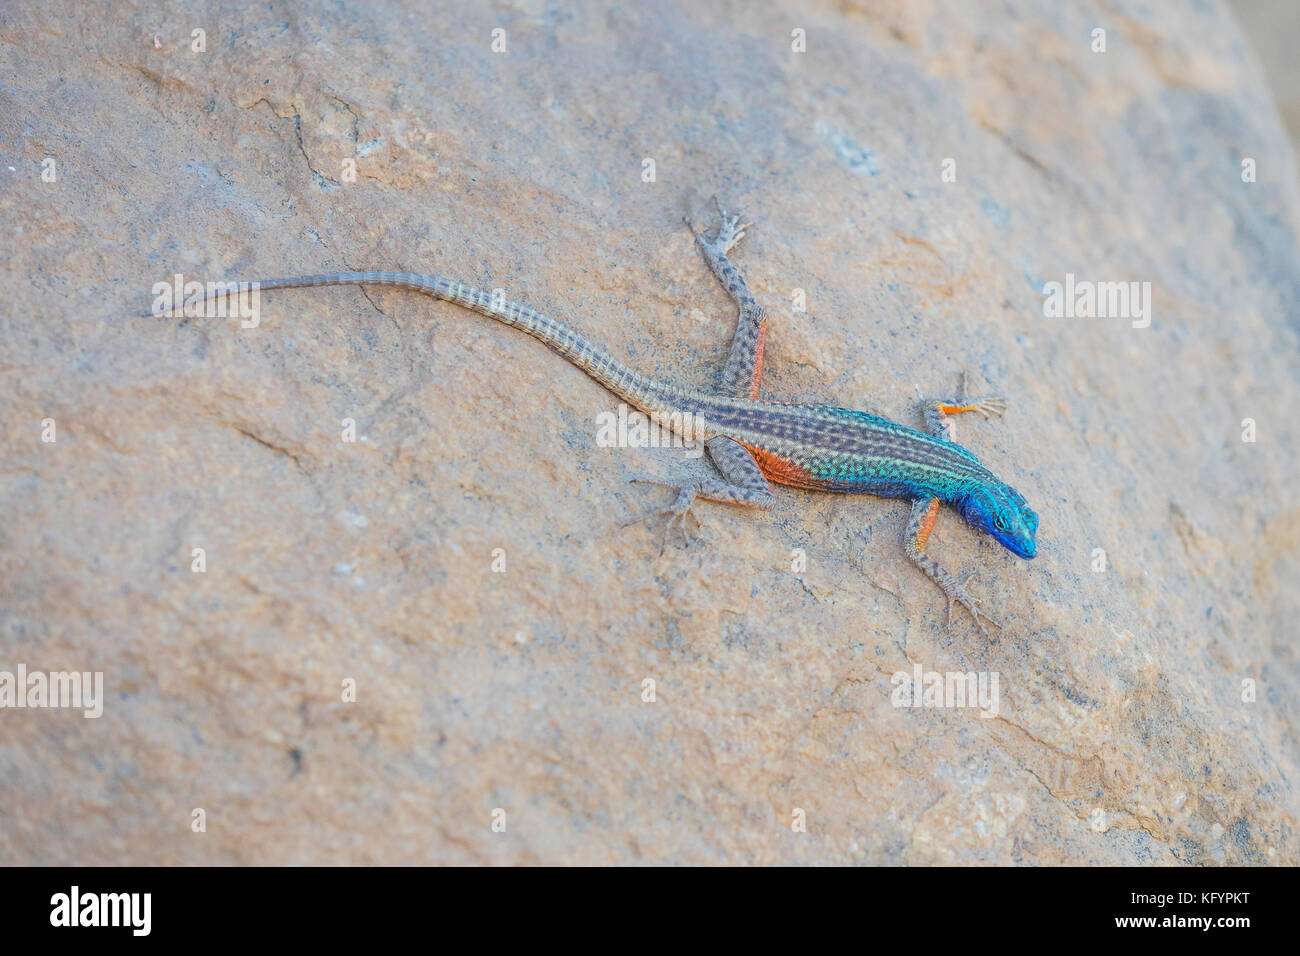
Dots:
(1274, 31)
(462, 563)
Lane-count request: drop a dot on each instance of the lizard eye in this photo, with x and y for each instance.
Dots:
(1000, 522)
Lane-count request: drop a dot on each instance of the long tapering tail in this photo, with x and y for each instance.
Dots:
(596, 362)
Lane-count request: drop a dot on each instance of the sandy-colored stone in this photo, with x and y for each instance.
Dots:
(1273, 29)
(1122, 734)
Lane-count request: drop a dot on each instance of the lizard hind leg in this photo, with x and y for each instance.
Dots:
(742, 483)
(743, 371)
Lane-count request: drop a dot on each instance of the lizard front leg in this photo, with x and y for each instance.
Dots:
(744, 368)
(919, 526)
(936, 412)
(742, 483)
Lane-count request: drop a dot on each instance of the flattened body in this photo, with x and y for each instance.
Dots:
(827, 448)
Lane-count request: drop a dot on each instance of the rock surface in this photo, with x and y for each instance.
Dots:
(1147, 712)
(1273, 29)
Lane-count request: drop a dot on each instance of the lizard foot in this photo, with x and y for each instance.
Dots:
(677, 512)
(730, 231)
(958, 594)
(990, 406)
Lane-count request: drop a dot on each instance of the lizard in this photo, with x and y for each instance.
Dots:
(752, 441)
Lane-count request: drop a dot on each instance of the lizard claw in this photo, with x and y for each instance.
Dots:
(990, 406)
(677, 512)
(730, 231)
(699, 236)
(959, 595)
(976, 613)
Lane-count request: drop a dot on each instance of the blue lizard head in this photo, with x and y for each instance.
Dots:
(1002, 512)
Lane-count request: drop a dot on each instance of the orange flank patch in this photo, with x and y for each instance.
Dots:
(953, 409)
(740, 504)
(758, 361)
(927, 524)
(782, 470)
